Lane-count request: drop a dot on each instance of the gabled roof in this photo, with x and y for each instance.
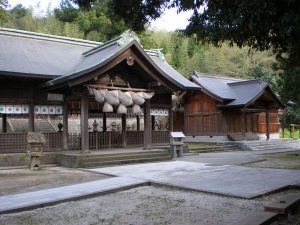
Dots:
(233, 92)
(61, 59)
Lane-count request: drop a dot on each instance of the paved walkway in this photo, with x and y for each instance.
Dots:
(35, 199)
(235, 181)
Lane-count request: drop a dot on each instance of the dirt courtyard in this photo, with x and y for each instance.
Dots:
(24, 180)
(144, 205)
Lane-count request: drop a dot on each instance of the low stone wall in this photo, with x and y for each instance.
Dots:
(22, 159)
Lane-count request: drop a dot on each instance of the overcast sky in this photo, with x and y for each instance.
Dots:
(169, 21)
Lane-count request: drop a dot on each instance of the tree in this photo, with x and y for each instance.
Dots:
(266, 74)
(18, 11)
(3, 5)
(93, 18)
(259, 24)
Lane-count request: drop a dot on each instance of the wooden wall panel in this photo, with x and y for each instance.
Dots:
(201, 117)
(274, 123)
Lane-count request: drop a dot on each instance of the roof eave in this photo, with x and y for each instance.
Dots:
(29, 75)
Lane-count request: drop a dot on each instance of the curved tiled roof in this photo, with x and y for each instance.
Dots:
(232, 91)
(60, 59)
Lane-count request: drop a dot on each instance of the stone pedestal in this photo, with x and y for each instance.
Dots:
(36, 150)
(36, 141)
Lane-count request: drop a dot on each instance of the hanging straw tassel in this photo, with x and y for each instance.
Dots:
(107, 107)
(99, 96)
(125, 99)
(137, 99)
(91, 90)
(115, 92)
(136, 109)
(111, 98)
(147, 95)
(122, 109)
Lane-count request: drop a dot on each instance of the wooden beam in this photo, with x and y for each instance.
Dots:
(243, 124)
(104, 122)
(147, 126)
(267, 124)
(171, 117)
(117, 88)
(138, 122)
(4, 118)
(84, 123)
(65, 124)
(124, 132)
(152, 122)
(31, 117)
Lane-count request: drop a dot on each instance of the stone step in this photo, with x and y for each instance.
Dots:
(216, 149)
(126, 153)
(271, 141)
(124, 157)
(272, 144)
(125, 161)
(283, 205)
(258, 218)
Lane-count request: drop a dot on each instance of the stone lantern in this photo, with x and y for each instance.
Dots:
(36, 141)
(176, 142)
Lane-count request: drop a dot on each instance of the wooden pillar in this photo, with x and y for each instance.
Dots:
(124, 132)
(65, 124)
(104, 122)
(243, 127)
(267, 125)
(138, 123)
(4, 119)
(84, 123)
(147, 125)
(31, 117)
(152, 122)
(171, 115)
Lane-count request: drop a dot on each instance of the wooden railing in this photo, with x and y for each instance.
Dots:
(160, 137)
(100, 140)
(17, 142)
(13, 142)
(135, 138)
(293, 129)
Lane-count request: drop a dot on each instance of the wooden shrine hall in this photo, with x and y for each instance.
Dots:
(46, 74)
(228, 108)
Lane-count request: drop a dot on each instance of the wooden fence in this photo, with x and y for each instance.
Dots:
(17, 142)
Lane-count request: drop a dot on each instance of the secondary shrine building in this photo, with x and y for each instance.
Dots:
(45, 78)
(227, 108)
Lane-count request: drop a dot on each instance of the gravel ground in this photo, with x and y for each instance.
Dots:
(144, 205)
(24, 180)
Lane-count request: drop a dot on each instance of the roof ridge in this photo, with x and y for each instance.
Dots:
(49, 37)
(217, 76)
(125, 38)
(100, 47)
(156, 52)
(246, 81)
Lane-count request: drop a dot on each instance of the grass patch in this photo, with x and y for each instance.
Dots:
(287, 133)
